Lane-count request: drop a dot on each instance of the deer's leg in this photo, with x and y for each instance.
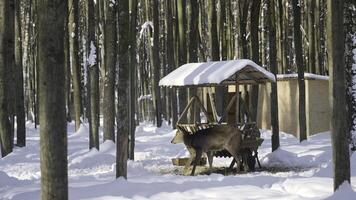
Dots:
(210, 155)
(196, 161)
(232, 164)
(191, 158)
(236, 158)
(244, 161)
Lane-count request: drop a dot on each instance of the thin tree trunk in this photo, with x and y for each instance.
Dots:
(311, 35)
(5, 128)
(336, 62)
(53, 130)
(110, 36)
(123, 90)
(255, 13)
(132, 74)
(19, 86)
(74, 48)
(182, 49)
(156, 65)
(300, 66)
(10, 65)
(93, 80)
(172, 95)
(273, 67)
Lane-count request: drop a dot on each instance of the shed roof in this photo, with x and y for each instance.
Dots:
(217, 73)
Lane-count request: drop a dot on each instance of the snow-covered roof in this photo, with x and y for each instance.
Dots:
(306, 76)
(215, 73)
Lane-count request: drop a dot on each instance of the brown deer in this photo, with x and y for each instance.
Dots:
(208, 140)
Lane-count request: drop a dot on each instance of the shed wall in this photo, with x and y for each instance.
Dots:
(317, 106)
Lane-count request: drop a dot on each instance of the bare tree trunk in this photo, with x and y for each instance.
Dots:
(93, 80)
(123, 90)
(74, 48)
(300, 65)
(19, 86)
(53, 130)
(132, 74)
(172, 94)
(182, 49)
(311, 35)
(273, 66)
(110, 37)
(10, 64)
(255, 13)
(156, 65)
(5, 128)
(339, 129)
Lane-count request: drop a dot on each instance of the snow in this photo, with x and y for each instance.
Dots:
(92, 54)
(295, 171)
(306, 75)
(211, 72)
(145, 26)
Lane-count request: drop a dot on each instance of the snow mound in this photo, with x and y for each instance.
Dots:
(284, 159)
(345, 191)
(94, 158)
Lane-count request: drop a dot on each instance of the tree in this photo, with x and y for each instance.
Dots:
(5, 127)
(172, 95)
(73, 25)
(10, 65)
(123, 90)
(336, 61)
(19, 88)
(156, 65)
(53, 130)
(273, 67)
(132, 70)
(300, 65)
(93, 80)
(110, 56)
(255, 13)
(182, 48)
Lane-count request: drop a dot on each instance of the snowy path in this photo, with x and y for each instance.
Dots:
(152, 176)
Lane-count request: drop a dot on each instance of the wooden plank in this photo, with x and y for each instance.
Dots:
(186, 108)
(237, 107)
(203, 109)
(212, 104)
(226, 112)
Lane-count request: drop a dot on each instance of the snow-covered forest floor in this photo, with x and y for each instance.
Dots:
(296, 171)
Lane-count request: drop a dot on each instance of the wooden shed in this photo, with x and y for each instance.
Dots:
(316, 104)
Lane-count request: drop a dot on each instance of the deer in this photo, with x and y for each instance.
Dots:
(209, 140)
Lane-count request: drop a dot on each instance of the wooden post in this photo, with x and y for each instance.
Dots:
(186, 109)
(237, 91)
(226, 112)
(212, 104)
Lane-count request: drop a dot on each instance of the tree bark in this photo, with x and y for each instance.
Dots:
(132, 71)
(156, 65)
(311, 35)
(182, 49)
(273, 66)
(300, 65)
(339, 130)
(255, 13)
(53, 130)
(110, 55)
(19, 86)
(74, 50)
(93, 80)
(123, 90)
(5, 127)
(172, 94)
